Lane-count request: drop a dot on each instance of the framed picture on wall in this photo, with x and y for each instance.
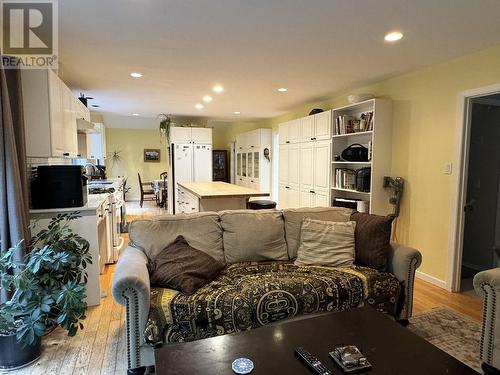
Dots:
(152, 155)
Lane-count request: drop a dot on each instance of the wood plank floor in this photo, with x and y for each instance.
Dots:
(100, 347)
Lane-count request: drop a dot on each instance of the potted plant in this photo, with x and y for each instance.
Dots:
(165, 124)
(46, 290)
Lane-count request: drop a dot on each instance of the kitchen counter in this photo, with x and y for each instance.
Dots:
(94, 201)
(206, 190)
(213, 196)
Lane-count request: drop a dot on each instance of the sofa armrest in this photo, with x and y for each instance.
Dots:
(131, 288)
(403, 263)
(487, 286)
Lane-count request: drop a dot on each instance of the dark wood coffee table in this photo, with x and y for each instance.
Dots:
(391, 348)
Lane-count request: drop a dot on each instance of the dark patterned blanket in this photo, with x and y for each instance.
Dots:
(250, 295)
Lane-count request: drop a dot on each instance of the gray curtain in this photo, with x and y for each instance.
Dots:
(14, 206)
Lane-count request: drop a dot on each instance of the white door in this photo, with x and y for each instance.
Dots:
(283, 164)
(306, 166)
(293, 165)
(307, 129)
(322, 165)
(201, 135)
(202, 163)
(323, 125)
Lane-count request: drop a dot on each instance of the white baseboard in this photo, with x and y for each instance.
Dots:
(431, 279)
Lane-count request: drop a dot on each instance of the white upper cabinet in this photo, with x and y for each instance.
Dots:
(307, 129)
(201, 135)
(289, 132)
(323, 125)
(96, 143)
(283, 133)
(179, 134)
(49, 115)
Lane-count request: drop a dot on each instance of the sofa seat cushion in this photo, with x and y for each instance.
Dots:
(250, 295)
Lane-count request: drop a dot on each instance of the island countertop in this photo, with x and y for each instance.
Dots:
(217, 189)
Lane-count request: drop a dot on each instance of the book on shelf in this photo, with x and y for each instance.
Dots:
(346, 124)
(345, 178)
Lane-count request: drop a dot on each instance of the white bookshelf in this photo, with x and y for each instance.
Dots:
(381, 150)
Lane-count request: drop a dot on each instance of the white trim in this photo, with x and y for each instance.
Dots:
(431, 279)
(459, 181)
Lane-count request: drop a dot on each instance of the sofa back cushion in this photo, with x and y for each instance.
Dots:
(293, 222)
(326, 243)
(253, 235)
(201, 230)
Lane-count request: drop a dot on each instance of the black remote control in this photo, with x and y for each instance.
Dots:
(312, 362)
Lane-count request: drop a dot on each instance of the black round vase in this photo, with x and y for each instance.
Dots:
(14, 356)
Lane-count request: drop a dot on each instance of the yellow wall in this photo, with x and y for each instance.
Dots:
(131, 143)
(424, 138)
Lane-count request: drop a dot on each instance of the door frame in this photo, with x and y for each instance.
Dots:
(459, 195)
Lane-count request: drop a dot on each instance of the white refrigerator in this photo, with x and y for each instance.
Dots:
(191, 162)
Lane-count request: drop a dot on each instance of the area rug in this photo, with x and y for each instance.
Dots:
(451, 332)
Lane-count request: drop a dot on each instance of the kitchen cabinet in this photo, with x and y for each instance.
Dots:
(181, 135)
(305, 161)
(322, 125)
(307, 128)
(50, 112)
(253, 169)
(293, 165)
(96, 143)
(289, 132)
(321, 158)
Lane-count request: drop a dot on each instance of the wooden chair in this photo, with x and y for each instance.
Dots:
(146, 194)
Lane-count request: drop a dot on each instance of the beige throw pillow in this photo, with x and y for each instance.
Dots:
(326, 243)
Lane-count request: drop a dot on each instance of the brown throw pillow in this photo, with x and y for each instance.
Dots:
(182, 267)
(373, 238)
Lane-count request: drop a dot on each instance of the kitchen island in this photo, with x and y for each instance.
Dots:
(213, 196)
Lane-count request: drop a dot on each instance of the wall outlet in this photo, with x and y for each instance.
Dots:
(447, 168)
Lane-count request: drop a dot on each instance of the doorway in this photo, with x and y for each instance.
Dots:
(480, 231)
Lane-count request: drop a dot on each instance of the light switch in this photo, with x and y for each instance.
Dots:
(447, 168)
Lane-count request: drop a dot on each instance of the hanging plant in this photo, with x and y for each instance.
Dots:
(165, 125)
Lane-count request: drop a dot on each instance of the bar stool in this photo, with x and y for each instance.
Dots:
(261, 205)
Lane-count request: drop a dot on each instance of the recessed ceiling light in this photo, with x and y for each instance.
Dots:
(218, 89)
(136, 75)
(237, 112)
(393, 36)
(198, 106)
(282, 89)
(135, 114)
(207, 99)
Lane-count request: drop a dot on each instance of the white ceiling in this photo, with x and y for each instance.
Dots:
(251, 47)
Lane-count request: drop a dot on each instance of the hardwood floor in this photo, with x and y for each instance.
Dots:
(100, 347)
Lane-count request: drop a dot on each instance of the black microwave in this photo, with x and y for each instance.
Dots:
(58, 186)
